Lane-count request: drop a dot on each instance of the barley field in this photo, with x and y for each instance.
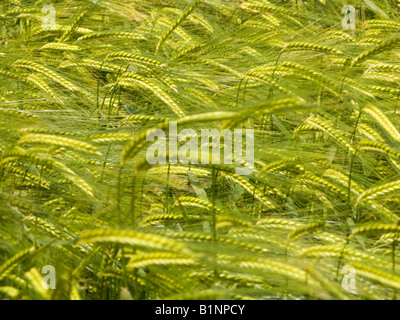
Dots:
(84, 214)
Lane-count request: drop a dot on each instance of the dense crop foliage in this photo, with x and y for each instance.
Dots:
(76, 191)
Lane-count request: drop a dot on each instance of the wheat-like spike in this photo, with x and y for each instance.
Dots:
(384, 211)
(369, 132)
(375, 228)
(108, 67)
(277, 267)
(195, 18)
(302, 128)
(310, 74)
(47, 227)
(190, 236)
(383, 67)
(73, 26)
(381, 190)
(17, 281)
(312, 179)
(71, 176)
(133, 147)
(37, 80)
(46, 72)
(134, 79)
(27, 185)
(308, 228)
(394, 93)
(258, 7)
(18, 153)
(14, 75)
(186, 51)
(182, 17)
(166, 23)
(141, 260)
(59, 141)
(343, 179)
(134, 238)
(385, 277)
(330, 238)
(357, 86)
(374, 23)
(241, 244)
(338, 63)
(19, 11)
(387, 239)
(120, 274)
(212, 85)
(202, 173)
(280, 223)
(60, 46)
(269, 18)
(342, 35)
(139, 141)
(47, 131)
(383, 121)
(224, 220)
(71, 216)
(378, 147)
(140, 117)
(157, 218)
(222, 66)
(383, 47)
(79, 159)
(303, 46)
(245, 279)
(124, 56)
(250, 188)
(325, 127)
(113, 35)
(17, 201)
(331, 287)
(336, 250)
(110, 137)
(370, 41)
(273, 107)
(382, 76)
(187, 201)
(199, 237)
(260, 236)
(61, 28)
(34, 278)
(7, 267)
(258, 76)
(16, 113)
(12, 292)
(251, 52)
(277, 165)
(27, 175)
(203, 97)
